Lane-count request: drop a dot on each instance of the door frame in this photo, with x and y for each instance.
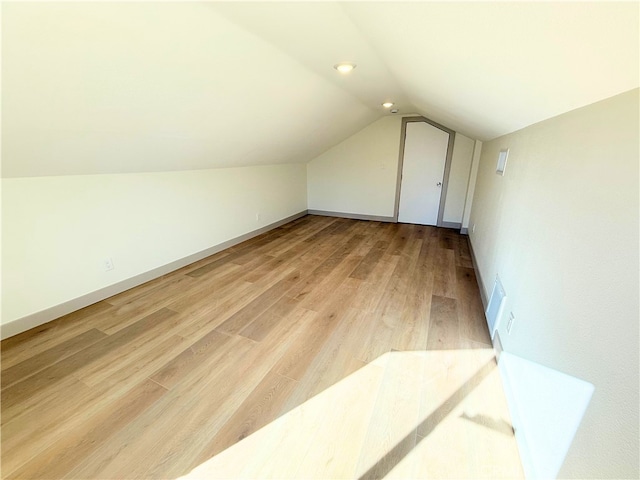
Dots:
(447, 164)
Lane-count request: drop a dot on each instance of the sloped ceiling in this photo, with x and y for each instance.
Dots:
(487, 69)
(90, 88)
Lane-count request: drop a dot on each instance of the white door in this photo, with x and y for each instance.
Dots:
(425, 154)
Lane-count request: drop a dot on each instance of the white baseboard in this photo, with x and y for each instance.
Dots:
(35, 319)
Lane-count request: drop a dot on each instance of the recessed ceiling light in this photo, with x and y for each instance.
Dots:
(387, 104)
(344, 67)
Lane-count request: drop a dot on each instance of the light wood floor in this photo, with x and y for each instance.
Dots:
(327, 348)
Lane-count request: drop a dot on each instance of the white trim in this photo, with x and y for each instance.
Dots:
(35, 319)
(471, 184)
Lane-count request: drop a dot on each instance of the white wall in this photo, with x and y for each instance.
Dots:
(96, 94)
(471, 187)
(359, 175)
(458, 179)
(561, 230)
(127, 87)
(56, 231)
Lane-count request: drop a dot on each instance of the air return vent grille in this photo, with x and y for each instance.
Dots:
(495, 306)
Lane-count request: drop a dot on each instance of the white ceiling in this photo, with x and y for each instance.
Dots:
(319, 35)
(128, 87)
(487, 69)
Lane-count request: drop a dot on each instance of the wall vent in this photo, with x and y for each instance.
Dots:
(497, 346)
(502, 161)
(495, 306)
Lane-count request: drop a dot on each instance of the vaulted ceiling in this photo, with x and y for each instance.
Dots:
(91, 88)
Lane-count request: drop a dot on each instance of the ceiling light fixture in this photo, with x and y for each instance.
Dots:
(387, 104)
(344, 67)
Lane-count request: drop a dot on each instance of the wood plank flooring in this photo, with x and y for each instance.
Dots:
(326, 348)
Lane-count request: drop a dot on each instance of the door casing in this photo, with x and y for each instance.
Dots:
(447, 164)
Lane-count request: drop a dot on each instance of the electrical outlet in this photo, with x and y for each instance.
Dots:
(258, 217)
(108, 264)
(510, 323)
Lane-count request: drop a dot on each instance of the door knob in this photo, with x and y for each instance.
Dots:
(439, 184)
